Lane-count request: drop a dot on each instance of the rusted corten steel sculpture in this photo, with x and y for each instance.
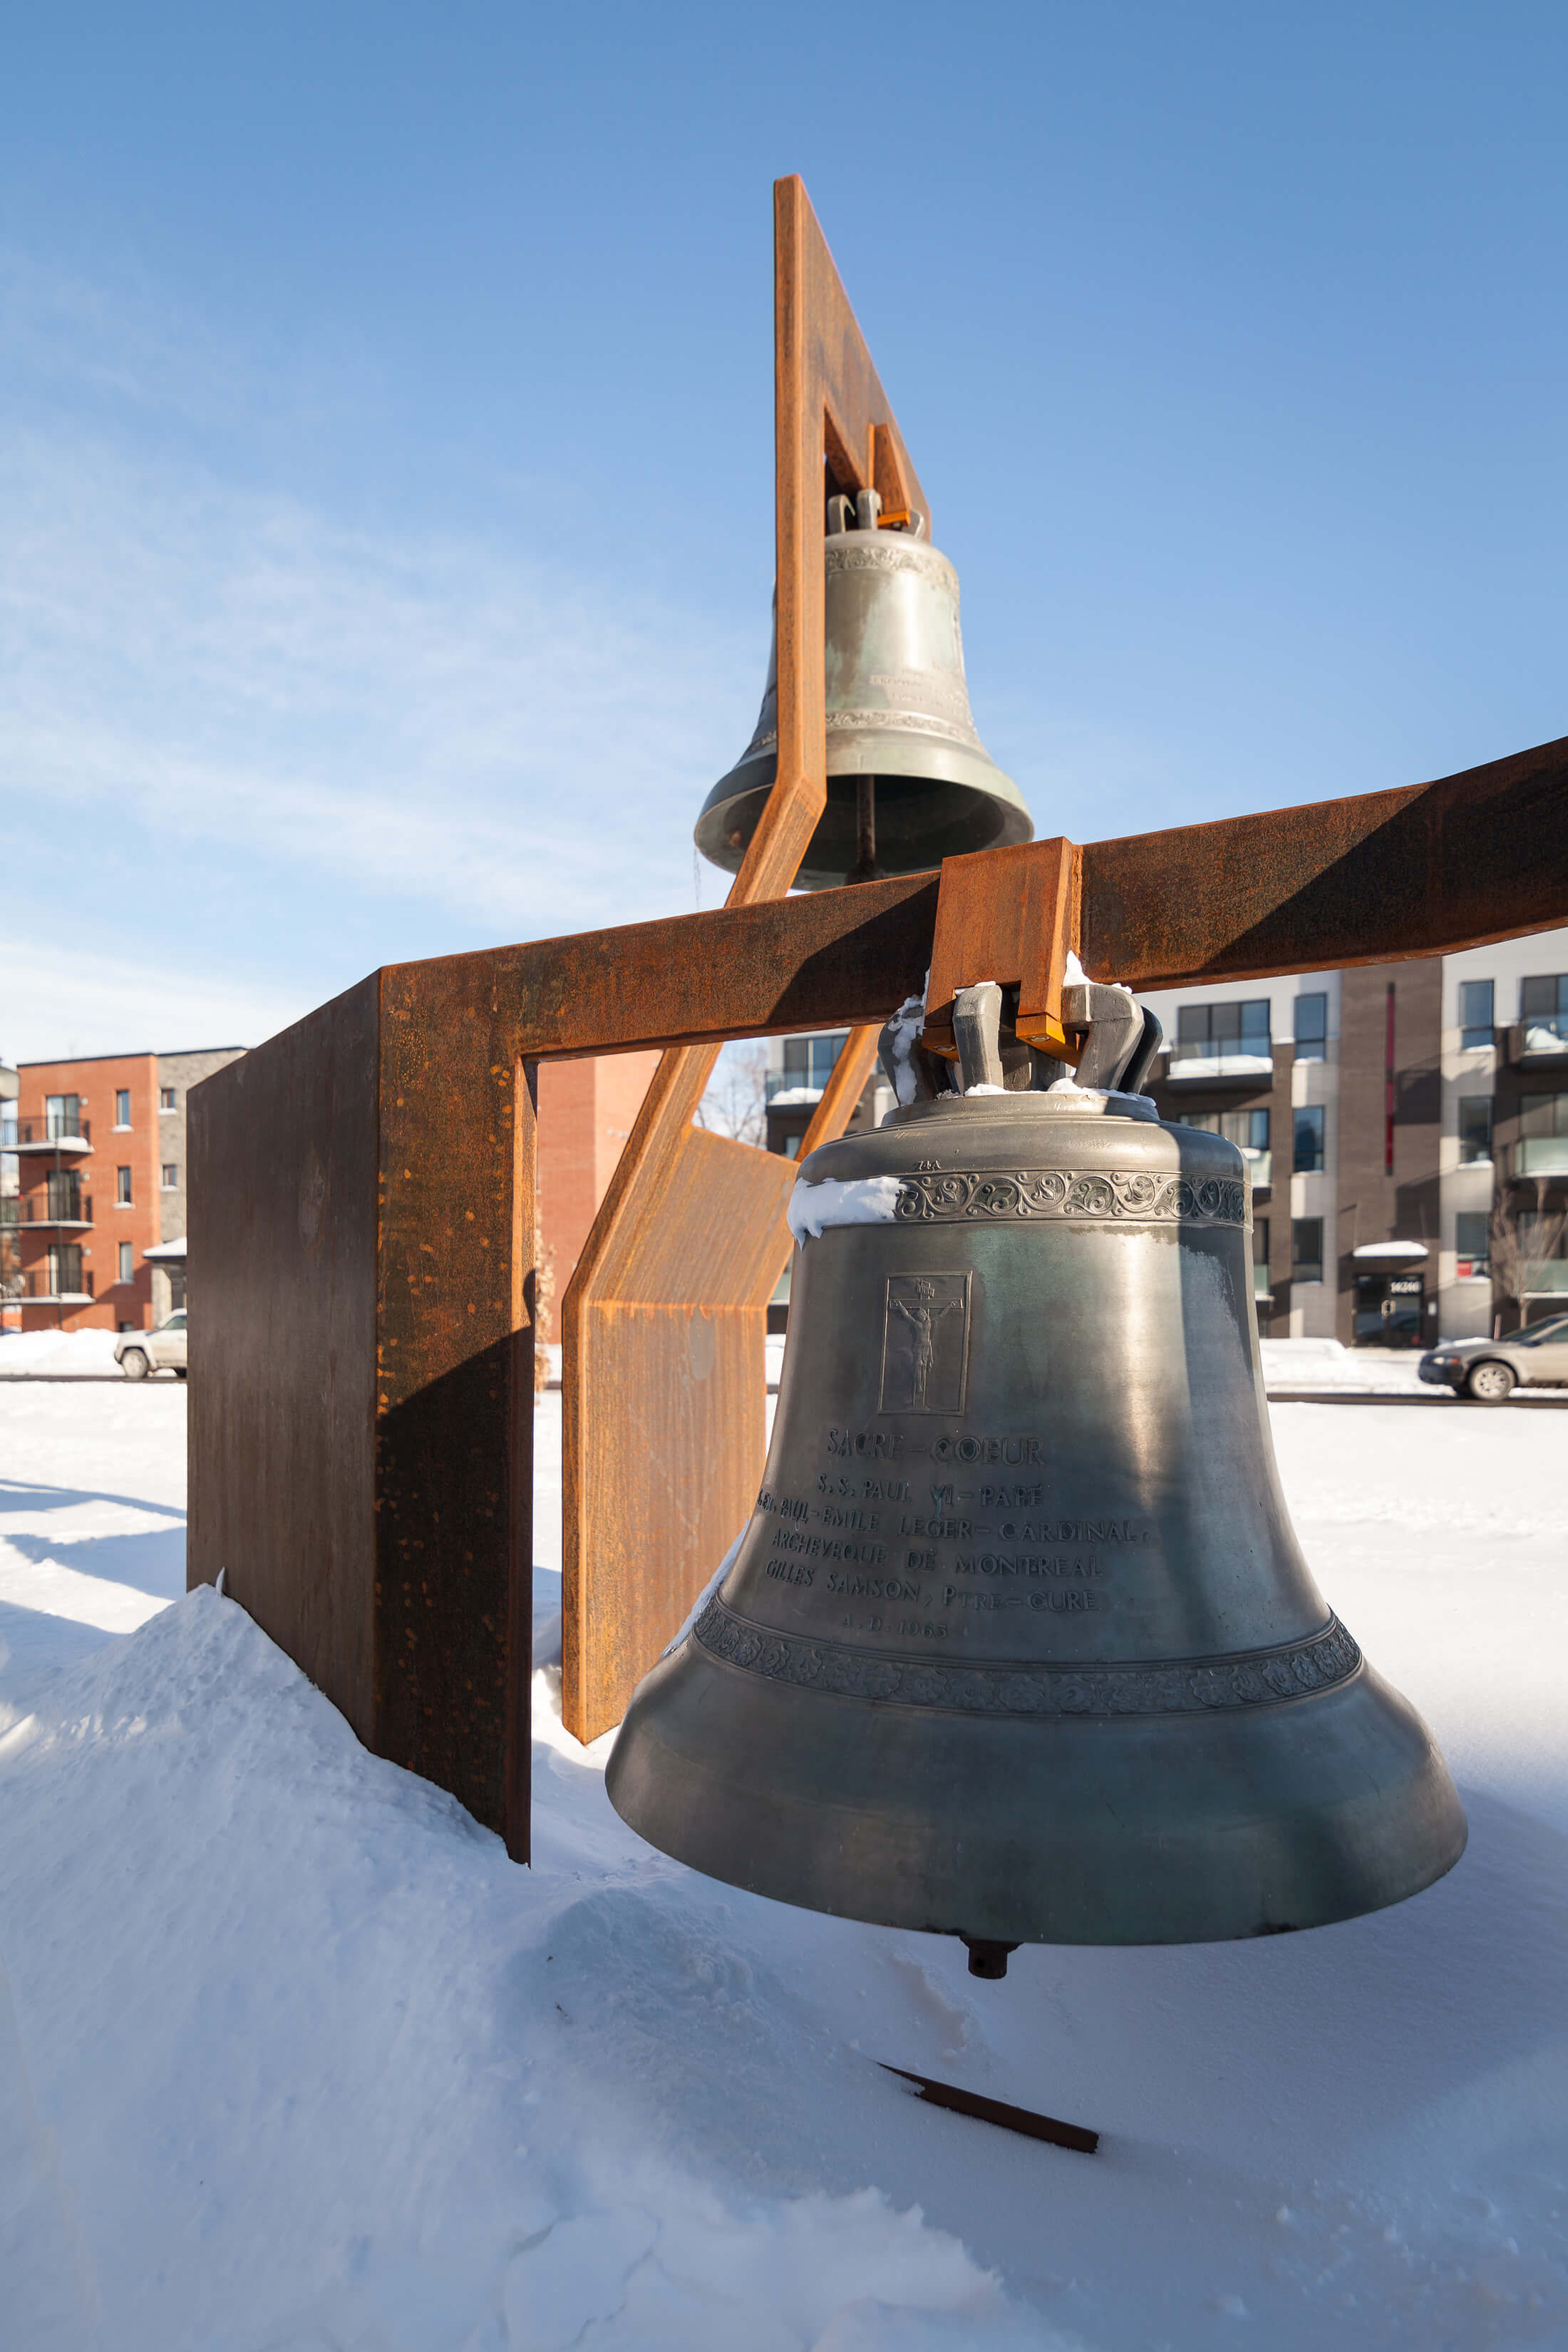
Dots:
(361, 1187)
(663, 1387)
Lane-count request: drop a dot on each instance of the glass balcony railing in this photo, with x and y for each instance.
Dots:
(1539, 1035)
(1541, 1155)
(1261, 1285)
(1260, 1168)
(1232, 1055)
(1546, 1276)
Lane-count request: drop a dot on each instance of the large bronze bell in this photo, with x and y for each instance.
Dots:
(1019, 1645)
(909, 780)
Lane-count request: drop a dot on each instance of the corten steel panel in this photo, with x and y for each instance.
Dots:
(455, 1388)
(684, 1228)
(1421, 871)
(1011, 914)
(282, 1286)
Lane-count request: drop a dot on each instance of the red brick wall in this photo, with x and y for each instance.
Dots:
(585, 1114)
(134, 1147)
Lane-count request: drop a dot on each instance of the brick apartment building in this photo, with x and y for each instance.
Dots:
(1395, 1117)
(93, 1173)
(100, 1152)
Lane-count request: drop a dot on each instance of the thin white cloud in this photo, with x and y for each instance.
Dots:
(423, 717)
(59, 999)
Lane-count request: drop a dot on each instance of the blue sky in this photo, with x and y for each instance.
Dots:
(385, 419)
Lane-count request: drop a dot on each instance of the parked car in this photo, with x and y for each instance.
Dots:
(1490, 1370)
(137, 1353)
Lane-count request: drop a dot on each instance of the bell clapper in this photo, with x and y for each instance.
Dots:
(988, 1959)
(865, 829)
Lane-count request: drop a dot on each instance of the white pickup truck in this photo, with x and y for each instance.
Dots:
(163, 1349)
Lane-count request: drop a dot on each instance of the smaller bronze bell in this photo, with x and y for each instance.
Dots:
(909, 780)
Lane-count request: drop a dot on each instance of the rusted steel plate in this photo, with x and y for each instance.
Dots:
(454, 1392)
(1422, 871)
(1373, 879)
(811, 962)
(1009, 915)
(282, 1279)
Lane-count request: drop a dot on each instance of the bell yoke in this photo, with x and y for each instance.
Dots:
(1019, 1645)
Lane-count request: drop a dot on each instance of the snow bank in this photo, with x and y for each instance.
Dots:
(293, 2060)
(82, 1355)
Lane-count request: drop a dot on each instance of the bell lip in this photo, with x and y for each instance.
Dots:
(1436, 1833)
(753, 780)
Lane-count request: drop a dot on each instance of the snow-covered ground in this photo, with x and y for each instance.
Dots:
(293, 2060)
(59, 1355)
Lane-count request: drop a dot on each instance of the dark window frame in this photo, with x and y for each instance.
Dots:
(1309, 1118)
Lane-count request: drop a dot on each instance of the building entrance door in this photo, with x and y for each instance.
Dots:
(1389, 1310)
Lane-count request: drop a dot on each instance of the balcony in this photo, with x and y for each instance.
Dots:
(1262, 1289)
(36, 1217)
(1541, 1155)
(1260, 1168)
(1221, 1060)
(52, 1135)
(37, 1290)
(787, 1088)
(1539, 1042)
(1546, 1278)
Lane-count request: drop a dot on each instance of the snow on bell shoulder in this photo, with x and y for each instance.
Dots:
(855, 1200)
(1070, 1096)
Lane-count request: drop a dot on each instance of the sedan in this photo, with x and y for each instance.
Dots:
(1490, 1370)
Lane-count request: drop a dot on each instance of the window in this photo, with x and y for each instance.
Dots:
(165, 1097)
(1306, 1249)
(1205, 1033)
(127, 1262)
(1475, 1128)
(64, 1269)
(1543, 1010)
(170, 1176)
(122, 1187)
(62, 1114)
(807, 1062)
(1472, 1245)
(1309, 1139)
(1311, 1027)
(122, 1107)
(1475, 1013)
(1260, 1283)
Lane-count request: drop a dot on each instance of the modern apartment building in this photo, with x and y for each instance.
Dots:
(1406, 1125)
(99, 1215)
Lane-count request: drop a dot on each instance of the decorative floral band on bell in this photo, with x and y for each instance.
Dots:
(1180, 1687)
(958, 1194)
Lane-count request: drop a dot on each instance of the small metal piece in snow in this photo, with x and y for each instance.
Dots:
(987, 1957)
(997, 2111)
